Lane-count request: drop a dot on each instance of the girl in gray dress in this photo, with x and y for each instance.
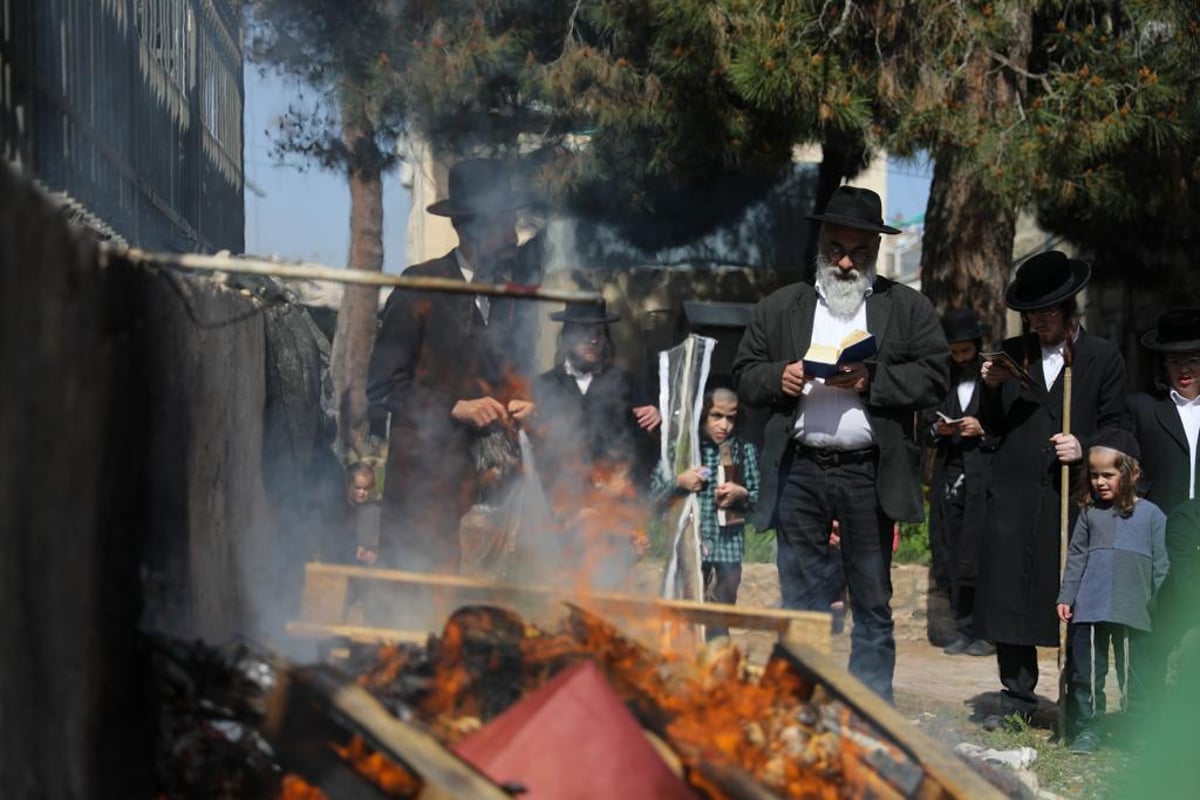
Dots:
(1116, 562)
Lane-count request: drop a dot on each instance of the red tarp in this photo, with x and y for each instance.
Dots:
(573, 738)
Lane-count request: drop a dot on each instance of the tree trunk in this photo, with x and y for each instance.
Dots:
(966, 249)
(356, 321)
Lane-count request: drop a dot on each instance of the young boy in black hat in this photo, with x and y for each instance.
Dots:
(959, 482)
(1023, 408)
(1115, 566)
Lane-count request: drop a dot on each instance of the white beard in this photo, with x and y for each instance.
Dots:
(844, 295)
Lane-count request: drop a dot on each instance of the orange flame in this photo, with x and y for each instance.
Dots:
(395, 781)
(296, 788)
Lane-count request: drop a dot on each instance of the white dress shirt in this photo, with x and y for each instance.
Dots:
(1052, 362)
(582, 379)
(482, 302)
(1189, 415)
(829, 417)
(966, 391)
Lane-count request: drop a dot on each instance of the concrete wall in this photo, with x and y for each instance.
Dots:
(136, 416)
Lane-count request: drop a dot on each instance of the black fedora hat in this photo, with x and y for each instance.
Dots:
(1045, 280)
(478, 187)
(585, 314)
(962, 325)
(852, 207)
(1177, 331)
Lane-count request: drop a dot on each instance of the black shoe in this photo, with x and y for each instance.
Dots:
(980, 648)
(1086, 742)
(957, 647)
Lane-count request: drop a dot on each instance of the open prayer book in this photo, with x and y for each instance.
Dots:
(824, 361)
(946, 418)
(1002, 358)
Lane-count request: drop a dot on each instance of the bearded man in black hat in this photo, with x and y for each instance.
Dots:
(1019, 559)
(1167, 427)
(439, 373)
(842, 448)
(959, 481)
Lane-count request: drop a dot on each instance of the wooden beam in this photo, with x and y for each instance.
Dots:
(808, 627)
(363, 634)
(946, 775)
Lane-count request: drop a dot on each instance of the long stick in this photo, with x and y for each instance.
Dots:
(1064, 535)
(319, 272)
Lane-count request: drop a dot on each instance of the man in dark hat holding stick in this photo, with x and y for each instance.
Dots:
(842, 447)
(438, 377)
(960, 477)
(1051, 375)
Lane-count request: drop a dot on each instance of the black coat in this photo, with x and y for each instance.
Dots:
(575, 431)
(973, 455)
(432, 350)
(907, 375)
(1166, 467)
(1018, 567)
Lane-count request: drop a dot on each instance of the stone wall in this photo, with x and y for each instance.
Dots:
(138, 412)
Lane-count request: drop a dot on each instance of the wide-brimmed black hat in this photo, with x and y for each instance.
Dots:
(585, 314)
(852, 207)
(1045, 280)
(962, 325)
(1177, 331)
(479, 187)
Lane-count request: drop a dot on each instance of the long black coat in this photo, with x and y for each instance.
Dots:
(1166, 467)
(907, 375)
(432, 350)
(975, 455)
(1018, 566)
(574, 431)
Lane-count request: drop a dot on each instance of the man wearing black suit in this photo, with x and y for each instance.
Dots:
(843, 448)
(961, 473)
(438, 376)
(1167, 428)
(1019, 560)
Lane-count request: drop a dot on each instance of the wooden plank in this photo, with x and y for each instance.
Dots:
(808, 627)
(364, 634)
(324, 597)
(946, 774)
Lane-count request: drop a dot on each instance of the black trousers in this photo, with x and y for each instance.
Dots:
(1019, 675)
(1087, 669)
(951, 498)
(811, 497)
(721, 582)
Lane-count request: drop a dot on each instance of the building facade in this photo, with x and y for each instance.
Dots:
(129, 112)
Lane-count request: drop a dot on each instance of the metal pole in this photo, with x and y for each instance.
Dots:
(241, 265)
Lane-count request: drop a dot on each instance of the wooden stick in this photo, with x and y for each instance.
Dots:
(319, 272)
(1064, 537)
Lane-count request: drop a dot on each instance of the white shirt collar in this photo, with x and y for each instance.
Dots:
(463, 265)
(1182, 401)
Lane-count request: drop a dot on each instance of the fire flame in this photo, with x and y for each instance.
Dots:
(395, 781)
(296, 788)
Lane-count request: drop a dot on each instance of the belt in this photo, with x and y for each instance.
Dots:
(836, 458)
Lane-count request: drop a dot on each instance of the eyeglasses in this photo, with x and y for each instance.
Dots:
(1047, 313)
(859, 256)
(1191, 362)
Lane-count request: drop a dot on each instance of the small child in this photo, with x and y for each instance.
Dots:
(362, 511)
(726, 483)
(1116, 562)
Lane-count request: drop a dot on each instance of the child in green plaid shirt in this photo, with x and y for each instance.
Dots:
(723, 503)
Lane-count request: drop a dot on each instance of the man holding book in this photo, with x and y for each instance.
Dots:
(843, 364)
(1024, 389)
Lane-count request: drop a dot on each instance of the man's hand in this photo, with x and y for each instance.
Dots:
(943, 428)
(850, 376)
(692, 480)
(365, 554)
(793, 379)
(1064, 612)
(729, 494)
(1067, 448)
(480, 412)
(521, 410)
(647, 417)
(970, 428)
(995, 373)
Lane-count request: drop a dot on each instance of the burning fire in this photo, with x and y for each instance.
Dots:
(393, 780)
(296, 788)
